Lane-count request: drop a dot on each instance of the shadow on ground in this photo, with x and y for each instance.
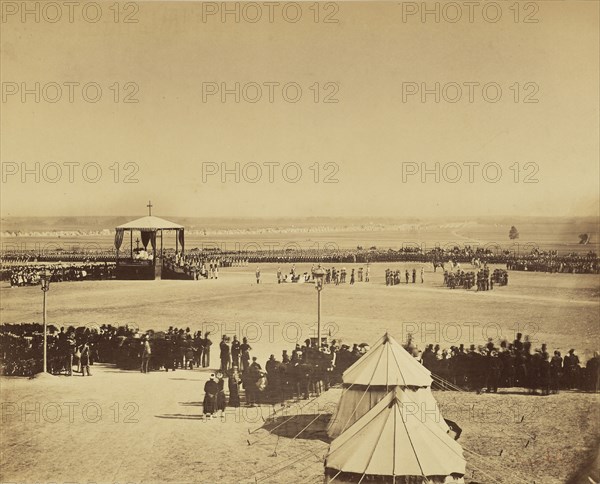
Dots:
(309, 427)
(181, 416)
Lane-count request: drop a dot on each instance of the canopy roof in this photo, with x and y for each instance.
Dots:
(150, 222)
(387, 364)
(394, 438)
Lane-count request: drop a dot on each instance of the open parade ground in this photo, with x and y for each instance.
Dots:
(558, 309)
(125, 426)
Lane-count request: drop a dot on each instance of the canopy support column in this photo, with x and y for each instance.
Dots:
(153, 244)
(161, 246)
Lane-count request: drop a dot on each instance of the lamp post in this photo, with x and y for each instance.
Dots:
(318, 275)
(45, 283)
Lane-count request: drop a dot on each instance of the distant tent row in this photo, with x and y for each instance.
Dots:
(388, 426)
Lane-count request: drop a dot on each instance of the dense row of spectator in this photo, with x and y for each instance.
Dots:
(509, 365)
(300, 373)
(33, 256)
(29, 275)
(303, 372)
(554, 265)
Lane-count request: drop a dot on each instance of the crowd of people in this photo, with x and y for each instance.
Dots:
(195, 265)
(552, 263)
(393, 278)
(72, 351)
(48, 255)
(331, 275)
(22, 349)
(304, 371)
(29, 274)
(535, 260)
(482, 279)
(509, 365)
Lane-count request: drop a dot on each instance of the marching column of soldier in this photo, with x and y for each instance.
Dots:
(482, 280)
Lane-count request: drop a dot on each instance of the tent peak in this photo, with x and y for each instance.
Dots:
(387, 364)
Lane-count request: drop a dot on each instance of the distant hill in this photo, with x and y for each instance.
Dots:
(100, 223)
(549, 232)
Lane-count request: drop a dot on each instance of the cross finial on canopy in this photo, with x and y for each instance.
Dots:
(149, 207)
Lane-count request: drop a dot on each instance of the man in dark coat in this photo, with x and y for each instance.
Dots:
(235, 352)
(225, 354)
(593, 373)
(206, 344)
(429, 358)
(494, 371)
(545, 374)
(555, 371)
(85, 359)
(571, 368)
(210, 396)
(245, 351)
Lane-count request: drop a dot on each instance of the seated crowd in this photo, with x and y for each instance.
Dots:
(29, 275)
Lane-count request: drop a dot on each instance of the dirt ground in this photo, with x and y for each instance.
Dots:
(120, 426)
(127, 427)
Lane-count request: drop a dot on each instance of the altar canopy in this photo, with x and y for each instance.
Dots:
(151, 229)
(150, 222)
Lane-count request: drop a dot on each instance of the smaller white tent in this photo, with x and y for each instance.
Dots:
(393, 443)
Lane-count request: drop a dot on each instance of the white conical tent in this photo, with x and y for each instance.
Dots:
(387, 364)
(394, 439)
(384, 367)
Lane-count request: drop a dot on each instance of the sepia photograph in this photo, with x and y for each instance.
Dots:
(300, 242)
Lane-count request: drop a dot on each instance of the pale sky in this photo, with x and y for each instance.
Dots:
(370, 55)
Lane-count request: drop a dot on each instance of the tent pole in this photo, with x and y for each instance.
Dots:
(131, 243)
